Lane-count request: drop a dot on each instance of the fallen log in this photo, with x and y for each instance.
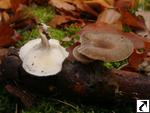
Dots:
(87, 82)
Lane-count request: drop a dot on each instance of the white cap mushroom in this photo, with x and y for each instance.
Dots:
(42, 57)
(105, 46)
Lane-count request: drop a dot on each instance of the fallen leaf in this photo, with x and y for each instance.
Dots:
(58, 20)
(5, 4)
(22, 18)
(132, 20)
(135, 60)
(123, 4)
(62, 4)
(109, 16)
(81, 5)
(15, 4)
(8, 36)
(103, 3)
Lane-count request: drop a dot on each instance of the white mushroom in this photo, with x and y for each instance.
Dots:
(42, 57)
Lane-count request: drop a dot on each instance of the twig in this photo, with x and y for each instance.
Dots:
(66, 103)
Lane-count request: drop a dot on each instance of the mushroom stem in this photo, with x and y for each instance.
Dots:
(44, 35)
(44, 40)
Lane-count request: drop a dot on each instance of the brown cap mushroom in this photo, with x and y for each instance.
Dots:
(105, 46)
(80, 57)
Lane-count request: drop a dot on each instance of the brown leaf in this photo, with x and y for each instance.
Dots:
(72, 6)
(103, 3)
(62, 4)
(22, 18)
(132, 20)
(58, 20)
(137, 57)
(5, 4)
(122, 4)
(7, 35)
(135, 60)
(15, 4)
(109, 16)
(81, 5)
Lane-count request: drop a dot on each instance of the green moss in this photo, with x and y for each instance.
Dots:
(26, 36)
(58, 34)
(126, 28)
(71, 30)
(43, 14)
(116, 65)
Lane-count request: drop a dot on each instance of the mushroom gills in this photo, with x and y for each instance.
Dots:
(41, 61)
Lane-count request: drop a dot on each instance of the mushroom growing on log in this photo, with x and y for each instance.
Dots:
(105, 47)
(42, 57)
(86, 82)
(80, 81)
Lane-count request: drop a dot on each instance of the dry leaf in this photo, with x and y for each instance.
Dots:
(109, 16)
(7, 35)
(62, 4)
(103, 3)
(58, 20)
(135, 60)
(81, 5)
(15, 4)
(22, 18)
(132, 20)
(122, 4)
(5, 4)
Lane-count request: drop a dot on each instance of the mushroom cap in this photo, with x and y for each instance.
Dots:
(41, 61)
(105, 46)
(80, 57)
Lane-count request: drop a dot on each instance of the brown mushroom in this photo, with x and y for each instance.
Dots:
(80, 57)
(105, 46)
